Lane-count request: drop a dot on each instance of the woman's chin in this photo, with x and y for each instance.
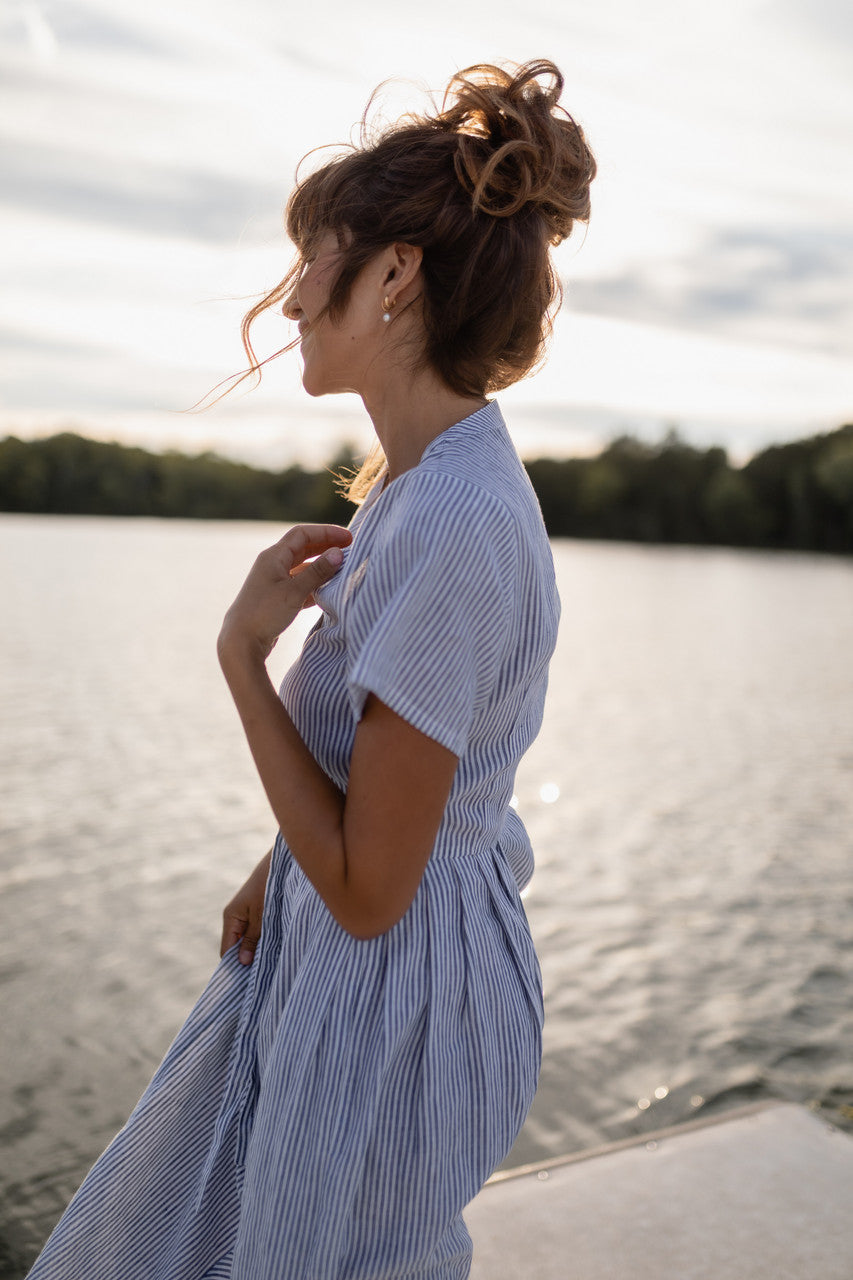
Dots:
(313, 385)
(323, 387)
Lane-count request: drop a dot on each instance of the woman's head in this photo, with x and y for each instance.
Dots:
(484, 187)
(350, 351)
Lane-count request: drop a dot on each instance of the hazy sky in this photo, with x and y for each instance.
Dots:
(148, 149)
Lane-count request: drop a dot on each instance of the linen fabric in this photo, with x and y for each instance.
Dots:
(327, 1113)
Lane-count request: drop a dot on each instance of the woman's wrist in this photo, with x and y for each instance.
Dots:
(238, 650)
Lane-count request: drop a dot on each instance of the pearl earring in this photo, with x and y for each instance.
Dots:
(387, 304)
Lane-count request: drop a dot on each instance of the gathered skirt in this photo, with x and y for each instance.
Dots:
(327, 1112)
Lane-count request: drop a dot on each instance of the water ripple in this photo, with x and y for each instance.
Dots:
(689, 799)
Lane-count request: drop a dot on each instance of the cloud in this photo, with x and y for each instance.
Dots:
(793, 285)
(17, 345)
(48, 377)
(81, 25)
(152, 148)
(154, 199)
(829, 21)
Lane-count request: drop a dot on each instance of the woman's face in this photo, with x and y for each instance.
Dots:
(336, 353)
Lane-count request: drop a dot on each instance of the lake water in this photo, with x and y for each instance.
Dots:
(690, 800)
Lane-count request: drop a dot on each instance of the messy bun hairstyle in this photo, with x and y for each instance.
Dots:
(484, 187)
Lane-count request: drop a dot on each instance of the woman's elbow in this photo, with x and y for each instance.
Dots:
(364, 925)
(365, 916)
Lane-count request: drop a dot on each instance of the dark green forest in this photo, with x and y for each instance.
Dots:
(797, 496)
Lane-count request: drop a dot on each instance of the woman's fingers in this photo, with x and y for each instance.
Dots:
(247, 932)
(249, 942)
(307, 577)
(306, 540)
(233, 929)
(295, 587)
(243, 917)
(280, 583)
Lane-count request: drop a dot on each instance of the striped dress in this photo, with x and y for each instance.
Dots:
(327, 1113)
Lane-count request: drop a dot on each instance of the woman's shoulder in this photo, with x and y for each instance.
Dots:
(438, 514)
(441, 492)
(470, 482)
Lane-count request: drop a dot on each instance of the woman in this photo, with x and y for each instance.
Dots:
(337, 1098)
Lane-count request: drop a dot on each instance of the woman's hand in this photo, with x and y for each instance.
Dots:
(281, 583)
(241, 919)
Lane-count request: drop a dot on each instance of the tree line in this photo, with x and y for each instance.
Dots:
(797, 496)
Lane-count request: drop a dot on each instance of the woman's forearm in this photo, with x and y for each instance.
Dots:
(307, 805)
(365, 852)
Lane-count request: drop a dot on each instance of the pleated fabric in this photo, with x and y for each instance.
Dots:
(327, 1113)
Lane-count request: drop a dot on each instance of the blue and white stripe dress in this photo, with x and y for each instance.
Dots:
(327, 1113)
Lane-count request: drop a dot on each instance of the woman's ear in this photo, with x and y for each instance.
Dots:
(403, 265)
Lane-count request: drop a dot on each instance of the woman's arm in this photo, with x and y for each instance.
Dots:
(241, 919)
(365, 852)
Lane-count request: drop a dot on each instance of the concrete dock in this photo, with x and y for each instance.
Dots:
(765, 1193)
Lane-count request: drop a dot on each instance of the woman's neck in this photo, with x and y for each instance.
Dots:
(408, 413)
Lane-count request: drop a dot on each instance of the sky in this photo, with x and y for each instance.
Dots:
(147, 151)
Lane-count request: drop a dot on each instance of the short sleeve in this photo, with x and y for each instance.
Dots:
(432, 616)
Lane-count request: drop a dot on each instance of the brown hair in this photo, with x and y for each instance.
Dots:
(485, 186)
